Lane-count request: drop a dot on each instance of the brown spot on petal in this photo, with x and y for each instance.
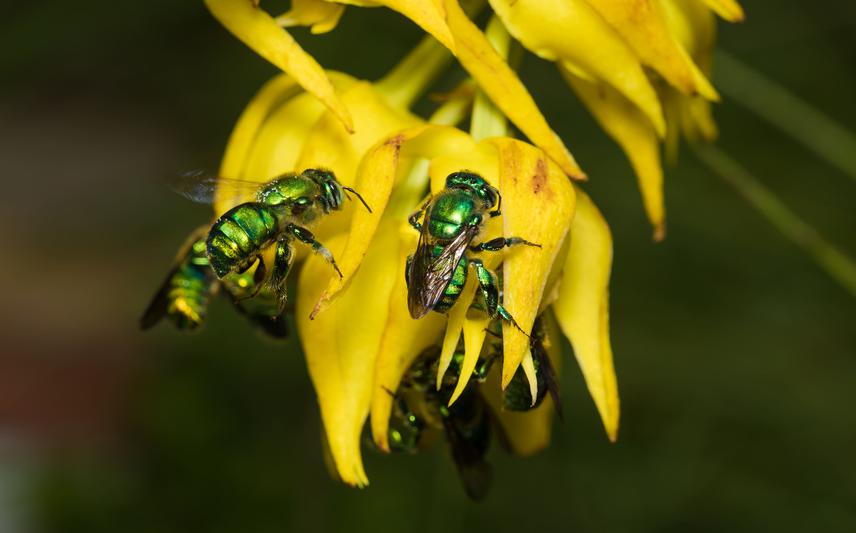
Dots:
(539, 179)
(395, 141)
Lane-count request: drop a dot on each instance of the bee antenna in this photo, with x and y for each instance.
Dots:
(358, 196)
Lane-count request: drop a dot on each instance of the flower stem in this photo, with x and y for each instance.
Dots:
(409, 79)
(487, 120)
(838, 265)
(788, 112)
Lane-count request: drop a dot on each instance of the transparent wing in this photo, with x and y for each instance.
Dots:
(429, 275)
(202, 188)
(475, 473)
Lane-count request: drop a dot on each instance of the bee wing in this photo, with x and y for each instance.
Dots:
(429, 275)
(201, 188)
(157, 308)
(550, 378)
(476, 474)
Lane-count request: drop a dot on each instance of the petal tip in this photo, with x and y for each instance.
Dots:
(659, 232)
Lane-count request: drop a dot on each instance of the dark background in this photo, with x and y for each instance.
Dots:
(736, 354)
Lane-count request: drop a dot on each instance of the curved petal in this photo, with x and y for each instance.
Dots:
(272, 94)
(322, 16)
(634, 133)
(403, 340)
(504, 88)
(428, 14)
(375, 178)
(582, 309)
(729, 10)
(342, 344)
(329, 145)
(272, 137)
(572, 32)
(259, 31)
(537, 205)
(641, 23)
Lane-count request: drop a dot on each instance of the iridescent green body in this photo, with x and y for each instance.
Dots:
(420, 406)
(183, 297)
(278, 216)
(517, 395)
(437, 273)
(237, 237)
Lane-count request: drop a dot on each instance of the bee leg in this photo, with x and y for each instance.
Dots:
(306, 237)
(283, 259)
(498, 211)
(495, 245)
(490, 293)
(414, 218)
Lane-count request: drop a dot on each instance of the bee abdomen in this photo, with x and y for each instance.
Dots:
(238, 236)
(454, 289)
(188, 296)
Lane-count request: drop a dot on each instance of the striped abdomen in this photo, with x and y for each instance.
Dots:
(238, 236)
(190, 288)
(454, 288)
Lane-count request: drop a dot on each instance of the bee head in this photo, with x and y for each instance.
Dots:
(331, 194)
(471, 181)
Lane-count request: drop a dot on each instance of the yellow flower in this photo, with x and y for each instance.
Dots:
(370, 339)
(640, 66)
(446, 21)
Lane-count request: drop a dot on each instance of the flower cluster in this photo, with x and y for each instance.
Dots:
(640, 66)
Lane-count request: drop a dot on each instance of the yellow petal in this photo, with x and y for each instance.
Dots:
(428, 14)
(342, 344)
(527, 432)
(270, 140)
(641, 23)
(537, 205)
(634, 133)
(403, 340)
(572, 32)
(474, 335)
(582, 307)
(504, 88)
(375, 178)
(270, 96)
(259, 31)
(322, 16)
(328, 145)
(730, 10)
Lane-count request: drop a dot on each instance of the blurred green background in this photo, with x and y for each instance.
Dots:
(736, 355)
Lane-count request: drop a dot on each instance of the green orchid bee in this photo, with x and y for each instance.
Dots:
(277, 215)
(184, 296)
(451, 220)
(517, 395)
(420, 407)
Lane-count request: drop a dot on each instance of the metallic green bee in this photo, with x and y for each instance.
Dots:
(517, 395)
(419, 406)
(437, 272)
(278, 214)
(184, 296)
